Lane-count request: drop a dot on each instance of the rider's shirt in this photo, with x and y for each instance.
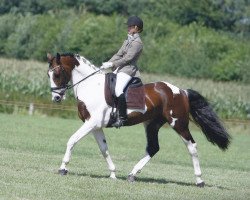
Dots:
(126, 58)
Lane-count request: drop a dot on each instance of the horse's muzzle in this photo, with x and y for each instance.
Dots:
(57, 99)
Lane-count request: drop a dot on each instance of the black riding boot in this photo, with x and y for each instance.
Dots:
(122, 110)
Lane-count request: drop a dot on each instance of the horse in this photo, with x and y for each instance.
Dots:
(164, 103)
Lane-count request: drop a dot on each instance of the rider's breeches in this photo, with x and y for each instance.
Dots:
(121, 82)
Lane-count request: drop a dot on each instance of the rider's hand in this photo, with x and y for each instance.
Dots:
(106, 65)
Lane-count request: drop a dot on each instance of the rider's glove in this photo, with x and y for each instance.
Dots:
(106, 65)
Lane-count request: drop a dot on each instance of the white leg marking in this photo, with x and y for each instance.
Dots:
(101, 141)
(79, 134)
(192, 148)
(138, 167)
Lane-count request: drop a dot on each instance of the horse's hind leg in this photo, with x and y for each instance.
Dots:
(151, 128)
(100, 139)
(192, 148)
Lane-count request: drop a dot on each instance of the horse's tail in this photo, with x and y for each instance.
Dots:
(207, 120)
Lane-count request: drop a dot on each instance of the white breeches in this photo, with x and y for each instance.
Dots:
(122, 80)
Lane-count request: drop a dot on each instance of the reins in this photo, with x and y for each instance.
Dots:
(71, 86)
(67, 87)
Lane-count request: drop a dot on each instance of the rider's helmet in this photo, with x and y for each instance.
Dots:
(135, 21)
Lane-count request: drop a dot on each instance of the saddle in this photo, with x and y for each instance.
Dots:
(134, 92)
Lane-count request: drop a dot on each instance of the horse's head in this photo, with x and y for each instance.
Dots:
(60, 68)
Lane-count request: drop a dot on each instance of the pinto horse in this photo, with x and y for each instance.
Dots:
(165, 103)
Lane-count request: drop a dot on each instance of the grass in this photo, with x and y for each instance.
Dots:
(31, 149)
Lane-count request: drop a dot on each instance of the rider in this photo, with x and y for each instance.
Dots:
(123, 63)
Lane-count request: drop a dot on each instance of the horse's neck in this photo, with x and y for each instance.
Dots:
(85, 68)
(76, 76)
(82, 71)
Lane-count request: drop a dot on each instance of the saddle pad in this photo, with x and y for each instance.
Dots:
(135, 97)
(134, 93)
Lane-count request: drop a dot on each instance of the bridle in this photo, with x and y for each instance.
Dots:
(64, 85)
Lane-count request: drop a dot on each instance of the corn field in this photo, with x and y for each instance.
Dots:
(27, 81)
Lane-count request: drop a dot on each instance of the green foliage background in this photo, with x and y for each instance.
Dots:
(201, 39)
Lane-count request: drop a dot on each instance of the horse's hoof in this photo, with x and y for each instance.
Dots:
(201, 184)
(62, 171)
(112, 176)
(131, 178)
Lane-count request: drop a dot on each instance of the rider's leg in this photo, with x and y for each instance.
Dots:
(121, 82)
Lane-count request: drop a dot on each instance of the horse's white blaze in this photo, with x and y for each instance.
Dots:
(174, 89)
(53, 85)
(171, 112)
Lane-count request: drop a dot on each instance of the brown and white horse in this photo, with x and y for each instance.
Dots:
(165, 103)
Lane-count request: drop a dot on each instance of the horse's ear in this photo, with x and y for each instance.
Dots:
(49, 56)
(58, 57)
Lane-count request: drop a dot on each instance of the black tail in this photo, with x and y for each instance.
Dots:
(207, 120)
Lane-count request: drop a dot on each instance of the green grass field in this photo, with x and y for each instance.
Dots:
(31, 149)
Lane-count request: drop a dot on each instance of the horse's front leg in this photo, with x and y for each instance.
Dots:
(79, 134)
(102, 143)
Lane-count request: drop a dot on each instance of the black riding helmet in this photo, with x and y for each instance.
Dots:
(135, 21)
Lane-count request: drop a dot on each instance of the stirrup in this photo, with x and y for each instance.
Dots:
(120, 122)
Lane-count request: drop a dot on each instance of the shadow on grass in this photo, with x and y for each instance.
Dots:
(149, 180)
(164, 181)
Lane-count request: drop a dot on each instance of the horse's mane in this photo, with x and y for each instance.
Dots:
(68, 54)
(77, 55)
